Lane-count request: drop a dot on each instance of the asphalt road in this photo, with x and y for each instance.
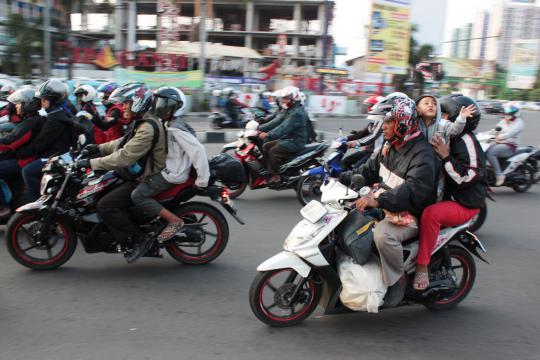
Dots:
(99, 307)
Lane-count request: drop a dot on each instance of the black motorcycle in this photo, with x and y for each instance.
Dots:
(43, 235)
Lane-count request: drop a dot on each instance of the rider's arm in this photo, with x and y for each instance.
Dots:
(355, 135)
(197, 154)
(513, 130)
(275, 122)
(292, 121)
(455, 128)
(130, 153)
(21, 135)
(375, 134)
(463, 165)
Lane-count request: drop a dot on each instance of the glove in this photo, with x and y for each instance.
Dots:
(91, 149)
(83, 164)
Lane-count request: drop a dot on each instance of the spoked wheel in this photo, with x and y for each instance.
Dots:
(29, 248)
(463, 271)
(283, 298)
(204, 236)
(529, 173)
(309, 188)
(479, 219)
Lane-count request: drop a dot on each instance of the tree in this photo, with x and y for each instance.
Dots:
(25, 44)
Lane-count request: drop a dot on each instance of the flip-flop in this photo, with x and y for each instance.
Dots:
(169, 231)
(420, 277)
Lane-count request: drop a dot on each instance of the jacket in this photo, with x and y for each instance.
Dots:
(98, 127)
(449, 129)
(184, 151)
(408, 175)
(511, 131)
(139, 141)
(116, 125)
(19, 137)
(55, 136)
(371, 135)
(465, 170)
(290, 131)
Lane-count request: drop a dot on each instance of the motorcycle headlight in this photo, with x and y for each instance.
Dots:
(45, 180)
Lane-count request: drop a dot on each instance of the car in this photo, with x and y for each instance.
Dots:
(493, 107)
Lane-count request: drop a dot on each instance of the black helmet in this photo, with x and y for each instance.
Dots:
(53, 90)
(124, 92)
(451, 105)
(168, 102)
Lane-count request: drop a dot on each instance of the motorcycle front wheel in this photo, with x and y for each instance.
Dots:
(463, 268)
(309, 188)
(28, 248)
(283, 298)
(204, 236)
(529, 173)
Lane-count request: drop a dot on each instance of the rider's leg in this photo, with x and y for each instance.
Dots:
(31, 174)
(444, 213)
(493, 154)
(277, 155)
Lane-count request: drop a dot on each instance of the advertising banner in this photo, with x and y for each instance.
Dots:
(389, 37)
(327, 104)
(523, 64)
(182, 79)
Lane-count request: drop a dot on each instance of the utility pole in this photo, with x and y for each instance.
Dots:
(47, 39)
(202, 40)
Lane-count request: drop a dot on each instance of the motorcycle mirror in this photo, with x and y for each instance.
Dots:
(357, 181)
(498, 128)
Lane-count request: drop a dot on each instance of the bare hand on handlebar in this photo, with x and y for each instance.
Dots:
(366, 202)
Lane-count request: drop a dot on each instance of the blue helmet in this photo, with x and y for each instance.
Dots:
(511, 109)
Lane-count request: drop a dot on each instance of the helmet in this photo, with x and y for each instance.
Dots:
(86, 93)
(216, 92)
(402, 109)
(6, 90)
(452, 104)
(105, 89)
(303, 98)
(371, 101)
(266, 94)
(142, 98)
(228, 91)
(511, 109)
(53, 90)
(124, 92)
(168, 102)
(291, 93)
(23, 95)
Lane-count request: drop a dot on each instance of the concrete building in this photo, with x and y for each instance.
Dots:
(461, 41)
(479, 36)
(299, 25)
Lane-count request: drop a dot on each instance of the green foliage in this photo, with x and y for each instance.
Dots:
(26, 42)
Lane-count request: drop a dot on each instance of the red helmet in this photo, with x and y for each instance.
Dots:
(371, 101)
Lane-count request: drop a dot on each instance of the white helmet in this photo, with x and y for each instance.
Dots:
(86, 92)
(216, 93)
(303, 98)
(291, 93)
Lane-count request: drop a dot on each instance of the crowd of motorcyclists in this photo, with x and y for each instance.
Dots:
(421, 156)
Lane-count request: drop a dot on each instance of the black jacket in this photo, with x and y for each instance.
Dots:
(409, 176)
(54, 138)
(465, 170)
(24, 132)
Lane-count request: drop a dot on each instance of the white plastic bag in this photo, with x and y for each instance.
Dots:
(363, 288)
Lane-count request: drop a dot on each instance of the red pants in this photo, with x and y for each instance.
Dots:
(444, 213)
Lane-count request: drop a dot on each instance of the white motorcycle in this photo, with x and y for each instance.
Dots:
(289, 286)
(519, 169)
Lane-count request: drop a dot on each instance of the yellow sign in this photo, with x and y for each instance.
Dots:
(389, 38)
(332, 71)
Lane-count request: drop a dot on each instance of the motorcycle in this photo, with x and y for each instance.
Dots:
(219, 120)
(43, 235)
(519, 169)
(248, 150)
(289, 286)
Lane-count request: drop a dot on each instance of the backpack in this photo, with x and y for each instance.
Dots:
(135, 170)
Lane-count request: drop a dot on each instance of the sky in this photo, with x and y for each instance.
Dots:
(352, 16)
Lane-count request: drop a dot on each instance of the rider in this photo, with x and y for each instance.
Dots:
(6, 90)
(466, 186)
(136, 156)
(105, 90)
(431, 122)
(232, 104)
(54, 138)
(27, 107)
(85, 95)
(406, 171)
(284, 136)
(507, 140)
(184, 151)
(119, 115)
(371, 101)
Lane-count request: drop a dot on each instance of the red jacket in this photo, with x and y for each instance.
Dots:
(116, 130)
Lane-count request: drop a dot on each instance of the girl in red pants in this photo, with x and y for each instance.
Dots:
(465, 182)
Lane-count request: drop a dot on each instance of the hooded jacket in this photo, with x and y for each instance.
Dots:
(449, 129)
(511, 131)
(290, 130)
(408, 174)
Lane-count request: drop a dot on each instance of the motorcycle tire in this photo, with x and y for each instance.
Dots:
(467, 269)
(479, 219)
(195, 237)
(237, 190)
(308, 298)
(308, 188)
(529, 172)
(21, 253)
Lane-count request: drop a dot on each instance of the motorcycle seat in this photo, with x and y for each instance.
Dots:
(312, 147)
(176, 189)
(524, 149)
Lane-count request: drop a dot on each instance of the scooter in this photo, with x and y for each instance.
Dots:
(219, 120)
(289, 286)
(519, 169)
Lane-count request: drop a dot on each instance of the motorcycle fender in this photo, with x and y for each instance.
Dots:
(472, 244)
(39, 204)
(285, 260)
(319, 170)
(229, 146)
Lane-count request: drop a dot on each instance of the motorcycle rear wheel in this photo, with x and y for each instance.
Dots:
(309, 188)
(268, 297)
(21, 241)
(202, 223)
(464, 266)
(528, 171)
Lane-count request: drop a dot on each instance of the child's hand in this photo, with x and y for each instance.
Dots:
(467, 112)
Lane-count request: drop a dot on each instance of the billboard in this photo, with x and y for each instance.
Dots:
(523, 64)
(389, 37)
(154, 79)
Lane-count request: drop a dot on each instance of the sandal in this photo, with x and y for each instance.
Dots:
(421, 280)
(170, 230)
